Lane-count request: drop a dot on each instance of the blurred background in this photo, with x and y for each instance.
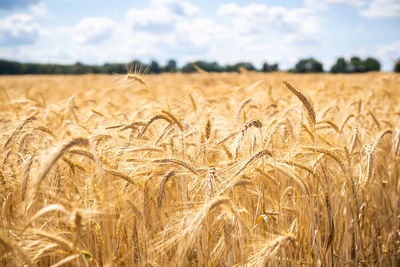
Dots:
(105, 36)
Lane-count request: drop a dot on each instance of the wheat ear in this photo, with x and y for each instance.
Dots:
(12, 247)
(309, 107)
(53, 159)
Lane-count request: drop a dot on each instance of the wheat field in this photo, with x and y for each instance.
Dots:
(204, 169)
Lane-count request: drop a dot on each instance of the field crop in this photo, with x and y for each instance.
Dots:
(203, 169)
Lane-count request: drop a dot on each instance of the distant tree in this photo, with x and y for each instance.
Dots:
(206, 66)
(214, 67)
(114, 68)
(10, 67)
(246, 65)
(229, 68)
(29, 68)
(119, 68)
(236, 68)
(356, 65)
(95, 69)
(303, 66)
(397, 66)
(371, 64)
(188, 68)
(154, 67)
(341, 66)
(78, 68)
(269, 67)
(43, 68)
(170, 66)
(308, 65)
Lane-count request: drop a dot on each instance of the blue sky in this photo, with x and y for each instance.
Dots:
(95, 32)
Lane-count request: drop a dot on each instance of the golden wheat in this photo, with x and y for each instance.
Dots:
(206, 169)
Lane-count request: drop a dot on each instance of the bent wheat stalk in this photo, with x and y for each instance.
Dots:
(53, 159)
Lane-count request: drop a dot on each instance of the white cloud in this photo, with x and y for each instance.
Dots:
(19, 29)
(369, 9)
(150, 20)
(292, 25)
(39, 10)
(389, 53)
(247, 19)
(324, 4)
(382, 9)
(38, 55)
(169, 29)
(160, 16)
(176, 7)
(93, 30)
(201, 31)
(177, 29)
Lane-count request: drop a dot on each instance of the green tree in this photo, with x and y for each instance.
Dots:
(246, 65)
(356, 65)
(78, 68)
(170, 66)
(371, 64)
(341, 66)
(188, 68)
(154, 67)
(269, 67)
(397, 66)
(308, 65)
(10, 67)
(206, 66)
(236, 68)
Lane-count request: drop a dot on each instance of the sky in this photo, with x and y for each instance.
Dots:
(228, 31)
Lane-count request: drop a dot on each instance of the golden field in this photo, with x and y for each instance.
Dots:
(200, 170)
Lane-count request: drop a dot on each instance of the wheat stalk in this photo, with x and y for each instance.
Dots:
(53, 159)
(161, 188)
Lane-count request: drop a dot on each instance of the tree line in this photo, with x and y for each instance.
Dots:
(308, 65)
